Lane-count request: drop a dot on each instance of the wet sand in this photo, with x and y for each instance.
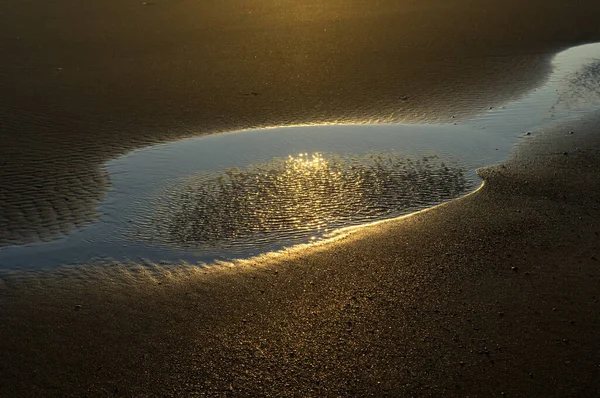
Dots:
(85, 82)
(493, 293)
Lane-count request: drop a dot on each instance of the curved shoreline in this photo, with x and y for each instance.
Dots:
(72, 105)
(495, 292)
(130, 214)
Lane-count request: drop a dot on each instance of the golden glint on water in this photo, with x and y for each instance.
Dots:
(301, 195)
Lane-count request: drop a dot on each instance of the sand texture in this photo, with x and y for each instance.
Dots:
(493, 293)
(83, 82)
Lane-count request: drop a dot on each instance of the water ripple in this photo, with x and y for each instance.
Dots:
(288, 198)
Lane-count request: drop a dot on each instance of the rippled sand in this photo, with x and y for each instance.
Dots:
(493, 293)
(78, 91)
(41, 205)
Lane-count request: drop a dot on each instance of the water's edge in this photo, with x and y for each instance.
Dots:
(148, 184)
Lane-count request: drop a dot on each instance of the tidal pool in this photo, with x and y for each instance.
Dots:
(285, 200)
(238, 194)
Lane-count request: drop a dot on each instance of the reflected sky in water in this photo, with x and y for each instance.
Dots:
(238, 194)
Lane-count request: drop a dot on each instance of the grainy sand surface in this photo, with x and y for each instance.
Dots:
(83, 82)
(493, 293)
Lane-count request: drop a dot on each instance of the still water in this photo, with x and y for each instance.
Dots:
(238, 194)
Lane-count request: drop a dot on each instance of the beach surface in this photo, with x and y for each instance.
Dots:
(86, 82)
(495, 293)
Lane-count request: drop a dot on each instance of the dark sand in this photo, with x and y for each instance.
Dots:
(83, 82)
(496, 292)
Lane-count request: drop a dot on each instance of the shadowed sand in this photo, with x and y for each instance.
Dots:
(83, 82)
(493, 293)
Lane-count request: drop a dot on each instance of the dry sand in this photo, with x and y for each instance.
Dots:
(83, 82)
(493, 293)
(496, 292)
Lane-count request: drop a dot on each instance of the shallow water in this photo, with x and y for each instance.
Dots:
(243, 193)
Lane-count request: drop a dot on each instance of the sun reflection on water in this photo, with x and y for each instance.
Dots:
(302, 196)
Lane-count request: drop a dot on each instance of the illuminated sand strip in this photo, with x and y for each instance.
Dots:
(126, 229)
